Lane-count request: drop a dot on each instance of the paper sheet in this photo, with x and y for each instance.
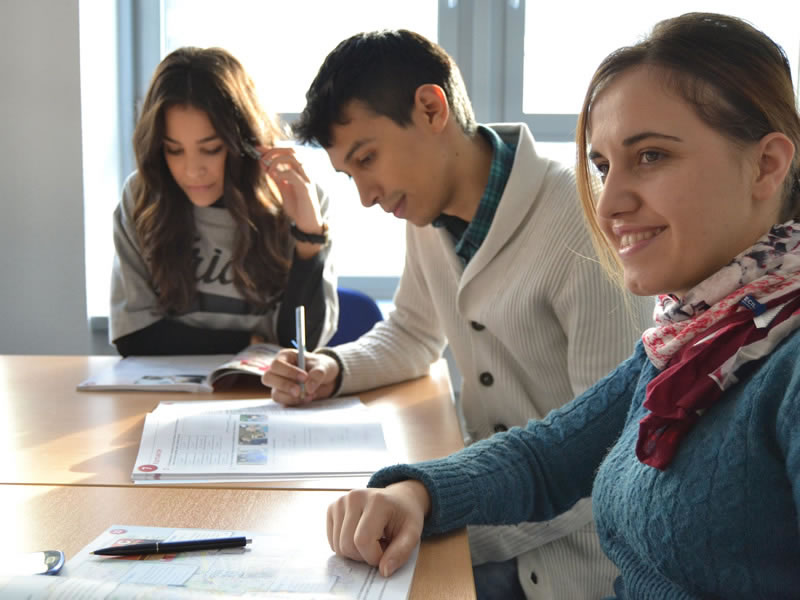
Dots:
(270, 567)
(232, 440)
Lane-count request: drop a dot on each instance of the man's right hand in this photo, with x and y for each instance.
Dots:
(284, 377)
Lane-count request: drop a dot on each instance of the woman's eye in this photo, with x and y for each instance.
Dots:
(366, 159)
(602, 170)
(212, 151)
(650, 156)
(172, 151)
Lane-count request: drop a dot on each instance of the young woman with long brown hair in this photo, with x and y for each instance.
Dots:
(220, 233)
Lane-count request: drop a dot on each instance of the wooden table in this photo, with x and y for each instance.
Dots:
(39, 517)
(51, 434)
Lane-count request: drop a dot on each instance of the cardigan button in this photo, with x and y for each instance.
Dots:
(477, 326)
(486, 378)
(500, 428)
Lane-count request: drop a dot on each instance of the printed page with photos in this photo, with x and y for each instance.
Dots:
(236, 440)
(271, 566)
(191, 373)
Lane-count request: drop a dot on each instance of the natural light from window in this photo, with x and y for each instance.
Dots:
(277, 41)
(560, 60)
(282, 50)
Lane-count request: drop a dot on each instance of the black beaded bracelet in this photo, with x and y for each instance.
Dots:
(312, 238)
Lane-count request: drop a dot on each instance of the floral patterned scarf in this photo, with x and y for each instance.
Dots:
(701, 341)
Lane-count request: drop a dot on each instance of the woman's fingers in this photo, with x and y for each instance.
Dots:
(378, 526)
(286, 175)
(278, 160)
(399, 550)
(335, 518)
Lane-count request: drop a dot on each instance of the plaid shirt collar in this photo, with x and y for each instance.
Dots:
(469, 236)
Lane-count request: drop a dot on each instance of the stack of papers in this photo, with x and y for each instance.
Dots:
(253, 440)
(270, 567)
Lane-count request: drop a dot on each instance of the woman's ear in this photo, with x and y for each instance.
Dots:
(774, 159)
(431, 102)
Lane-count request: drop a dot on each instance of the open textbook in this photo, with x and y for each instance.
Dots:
(238, 440)
(286, 567)
(197, 373)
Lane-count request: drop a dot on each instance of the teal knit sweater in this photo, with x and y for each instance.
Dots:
(721, 521)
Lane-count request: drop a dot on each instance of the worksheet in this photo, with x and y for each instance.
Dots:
(271, 566)
(235, 440)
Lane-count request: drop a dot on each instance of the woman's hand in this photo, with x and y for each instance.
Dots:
(297, 192)
(379, 526)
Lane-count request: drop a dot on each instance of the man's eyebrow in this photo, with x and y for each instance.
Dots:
(210, 138)
(635, 139)
(354, 148)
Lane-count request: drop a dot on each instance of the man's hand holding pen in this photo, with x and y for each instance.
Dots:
(285, 377)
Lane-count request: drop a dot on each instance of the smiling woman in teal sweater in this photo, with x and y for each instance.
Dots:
(691, 447)
(720, 521)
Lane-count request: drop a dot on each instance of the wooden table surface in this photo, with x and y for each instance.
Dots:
(67, 518)
(51, 434)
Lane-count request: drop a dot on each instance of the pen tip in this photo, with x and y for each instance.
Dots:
(247, 541)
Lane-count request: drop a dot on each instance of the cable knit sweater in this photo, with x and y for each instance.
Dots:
(720, 522)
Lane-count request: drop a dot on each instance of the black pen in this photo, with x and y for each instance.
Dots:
(170, 547)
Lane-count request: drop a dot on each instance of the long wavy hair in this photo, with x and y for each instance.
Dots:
(213, 81)
(753, 95)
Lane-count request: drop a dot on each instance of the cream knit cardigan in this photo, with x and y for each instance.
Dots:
(553, 324)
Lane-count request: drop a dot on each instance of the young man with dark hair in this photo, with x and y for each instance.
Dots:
(498, 264)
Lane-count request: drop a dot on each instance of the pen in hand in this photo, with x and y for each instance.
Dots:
(170, 547)
(300, 341)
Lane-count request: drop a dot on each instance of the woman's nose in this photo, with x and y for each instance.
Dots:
(195, 167)
(617, 195)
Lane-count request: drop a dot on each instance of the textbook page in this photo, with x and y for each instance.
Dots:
(235, 440)
(271, 566)
(182, 373)
(158, 374)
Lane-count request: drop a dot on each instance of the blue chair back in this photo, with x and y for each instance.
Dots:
(357, 314)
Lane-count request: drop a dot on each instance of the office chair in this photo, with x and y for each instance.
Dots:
(357, 314)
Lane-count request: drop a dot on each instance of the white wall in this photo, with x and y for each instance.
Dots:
(42, 281)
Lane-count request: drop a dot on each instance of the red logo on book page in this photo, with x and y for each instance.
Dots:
(147, 468)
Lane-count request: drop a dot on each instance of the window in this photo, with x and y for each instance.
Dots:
(279, 44)
(276, 42)
(521, 60)
(552, 100)
(282, 49)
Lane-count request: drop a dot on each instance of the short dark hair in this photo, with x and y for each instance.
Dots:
(382, 69)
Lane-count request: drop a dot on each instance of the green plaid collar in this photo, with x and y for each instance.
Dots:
(468, 237)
